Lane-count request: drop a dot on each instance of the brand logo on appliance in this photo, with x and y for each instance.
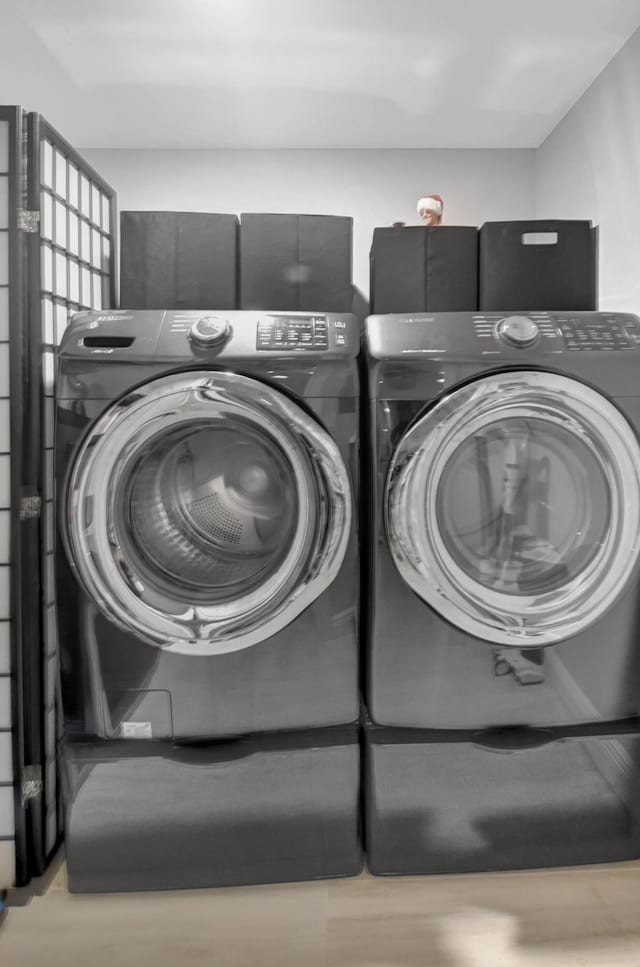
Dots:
(118, 318)
(410, 320)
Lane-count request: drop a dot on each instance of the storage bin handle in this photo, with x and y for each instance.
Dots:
(539, 238)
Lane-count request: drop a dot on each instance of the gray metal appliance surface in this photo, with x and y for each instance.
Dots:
(504, 503)
(206, 468)
(456, 802)
(160, 816)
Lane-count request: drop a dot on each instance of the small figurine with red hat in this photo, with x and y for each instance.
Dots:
(430, 209)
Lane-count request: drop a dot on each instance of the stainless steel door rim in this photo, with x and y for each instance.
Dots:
(95, 526)
(423, 555)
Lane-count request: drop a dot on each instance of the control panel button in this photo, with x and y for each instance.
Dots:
(209, 331)
(520, 331)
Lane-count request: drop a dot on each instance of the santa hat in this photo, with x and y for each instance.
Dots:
(432, 203)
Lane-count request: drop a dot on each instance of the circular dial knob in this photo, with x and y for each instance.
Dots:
(209, 331)
(518, 331)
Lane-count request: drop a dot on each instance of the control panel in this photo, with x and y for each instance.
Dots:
(582, 331)
(527, 335)
(294, 332)
(208, 336)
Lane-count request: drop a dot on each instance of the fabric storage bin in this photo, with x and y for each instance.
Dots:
(420, 269)
(296, 262)
(178, 260)
(538, 265)
(150, 816)
(450, 806)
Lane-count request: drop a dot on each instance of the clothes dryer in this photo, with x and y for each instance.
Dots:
(504, 469)
(503, 666)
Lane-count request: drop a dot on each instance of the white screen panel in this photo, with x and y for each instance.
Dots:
(5, 480)
(61, 276)
(48, 370)
(85, 291)
(6, 757)
(46, 216)
(61, 224)
(5, 648)
(4, 369)
(61, 174)
(4, 258)
(47, 321)
(85, 241)
(85, 196)
(6, 811)
(4, 201)
(46, 165)
(4, 314)
(96, 248)
(73, 185)
(5, 703)
(7, 864)
(5, 598)
(105, 213)
(96, 213)
(97, 291)
(5, 536)
(47, 269)
(61, 321)
(5, 426)
(74, 234)
(4, 146)
(74, 281)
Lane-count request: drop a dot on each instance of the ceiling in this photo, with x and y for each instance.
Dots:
(297, 74)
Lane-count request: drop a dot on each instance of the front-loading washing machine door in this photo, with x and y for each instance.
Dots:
(512, 507)
(204, 511)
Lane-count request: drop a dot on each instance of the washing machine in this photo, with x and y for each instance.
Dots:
(503, 666)
(207, 568)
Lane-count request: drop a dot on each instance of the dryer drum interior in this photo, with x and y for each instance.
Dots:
(207, 512)
(523, 506)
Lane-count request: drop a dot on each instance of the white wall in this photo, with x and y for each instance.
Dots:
(589, 167)
(374, 187)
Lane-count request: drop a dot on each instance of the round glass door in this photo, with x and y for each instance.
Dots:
(205, 511)
(508, 507)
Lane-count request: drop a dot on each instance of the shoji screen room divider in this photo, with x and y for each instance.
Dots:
(57, 230)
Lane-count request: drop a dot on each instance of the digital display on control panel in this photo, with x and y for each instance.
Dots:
(292, 332)
(580, 333)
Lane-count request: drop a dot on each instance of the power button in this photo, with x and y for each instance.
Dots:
(209, 331)
(520, 331)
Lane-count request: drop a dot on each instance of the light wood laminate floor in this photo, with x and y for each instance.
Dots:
(588, 916)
